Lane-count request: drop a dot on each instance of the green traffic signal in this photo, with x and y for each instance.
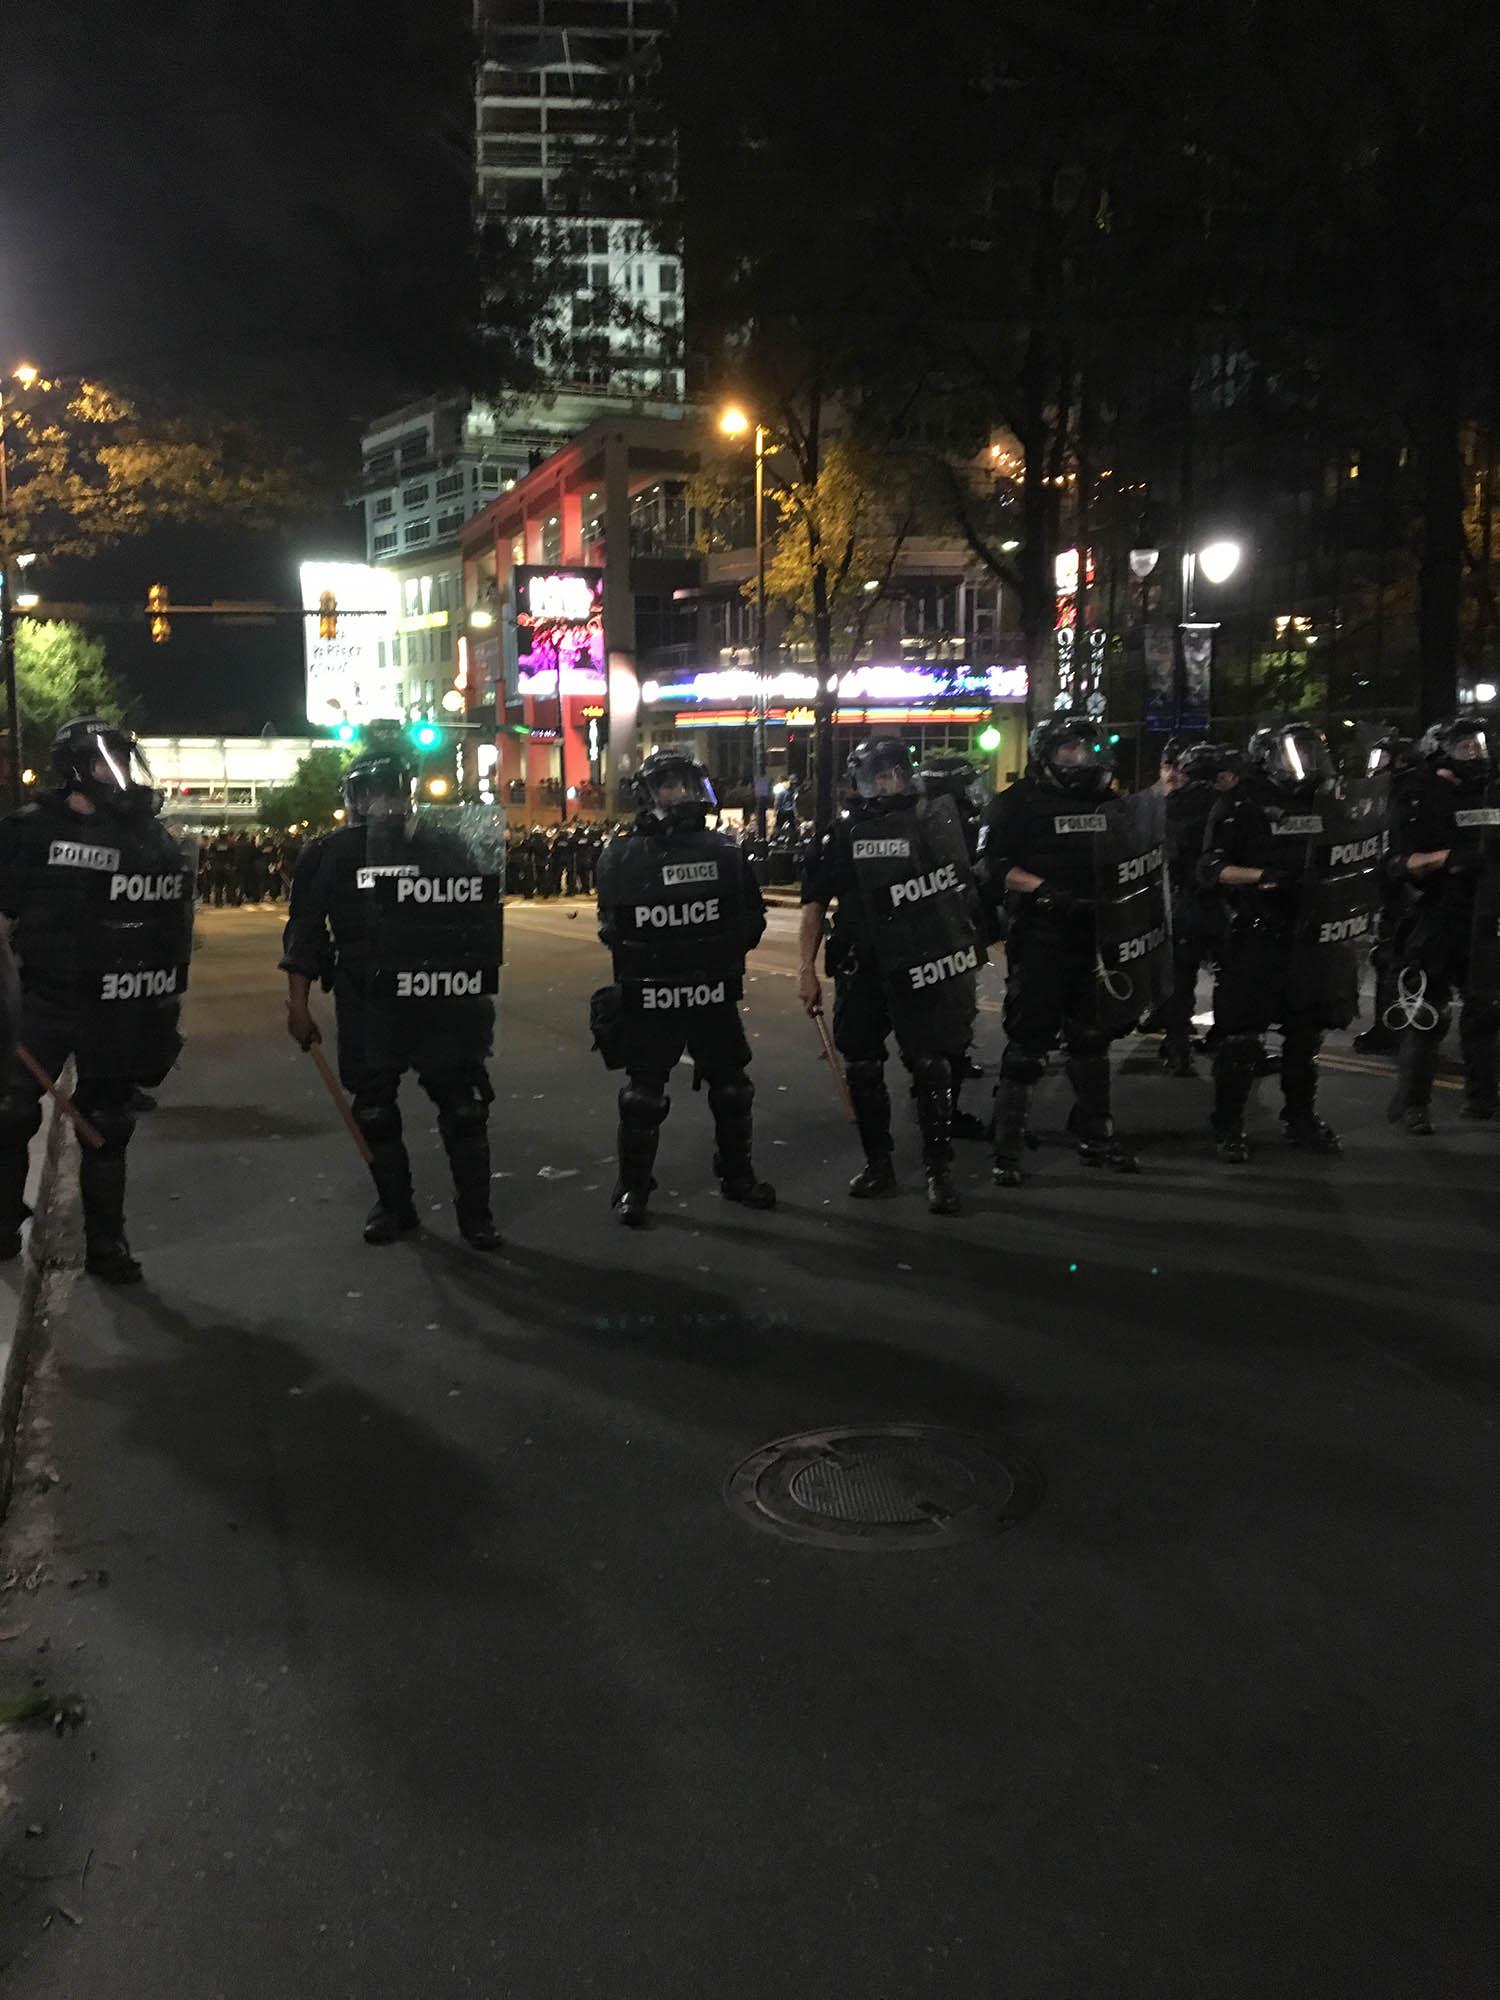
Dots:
(1115, 737)
(425, 735)
(346, 732)
(989, 739)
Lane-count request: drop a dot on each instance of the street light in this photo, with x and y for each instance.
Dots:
(734, 423)
(1220, 560)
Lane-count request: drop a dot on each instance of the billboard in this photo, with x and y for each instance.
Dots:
(346, 681)
(559, 631)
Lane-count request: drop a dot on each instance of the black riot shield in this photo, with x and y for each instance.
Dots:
(917, 889)
(436, 889)
(1132, 911)
(1481, 822)
(134, 954)
(676, 911)
(1339, 906)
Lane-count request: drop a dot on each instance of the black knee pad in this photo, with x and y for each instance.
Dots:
(865, 1075)
(463, 1113)
(1300, 1045)
(932, 1073)
(642, 1105)
(1237, 1053)
(1018, 1065)
(380, 1122)
(1088, 1044)
(734, 1093)
(20, 1116)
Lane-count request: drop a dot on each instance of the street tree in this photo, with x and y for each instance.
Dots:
(60, 674)
(312, 795)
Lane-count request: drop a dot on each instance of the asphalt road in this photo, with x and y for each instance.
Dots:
(420, 1655)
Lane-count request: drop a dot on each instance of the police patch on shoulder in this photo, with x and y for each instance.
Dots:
(78, 854)
(887, 849)
(1299, 823)
(1478, 816)
(1080, 823)
(676, 873)
(366, 878)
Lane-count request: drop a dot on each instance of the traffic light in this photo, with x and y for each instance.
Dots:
(346, 732)
(426, 735)
(157, 607)
(328, 615)
(989, 740)
(1114, 736)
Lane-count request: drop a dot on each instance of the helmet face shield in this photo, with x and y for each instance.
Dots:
(677, 785)
(378, 788)
(102, 761)
(1296, 758)
(1468, 755)
(1070, 756)
(881, 770)
(119, 764)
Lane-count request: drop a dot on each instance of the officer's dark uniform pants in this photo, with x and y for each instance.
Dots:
(1051, 997)
(463, 1095)
(653, 1045)
(1191, 950)
(1478, 1039)
(1251, 997)
(862, 1025)
(50, 1033)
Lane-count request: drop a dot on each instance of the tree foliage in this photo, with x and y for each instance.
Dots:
(312, 794)
(60, 674)
(88, 467)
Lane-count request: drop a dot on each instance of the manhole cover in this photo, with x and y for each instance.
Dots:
(879, 1486)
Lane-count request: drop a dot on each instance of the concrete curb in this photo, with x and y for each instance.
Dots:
(23, 1314)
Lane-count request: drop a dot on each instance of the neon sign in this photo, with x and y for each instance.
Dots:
(560, 627)
(862, 684)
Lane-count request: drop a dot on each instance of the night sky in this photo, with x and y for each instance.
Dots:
(258, 209)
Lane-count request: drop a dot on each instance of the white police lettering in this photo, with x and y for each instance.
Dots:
(146, 888)
(882, 850)
(1300, 824)
(366, 878)
(1345, 852)
(1344, 928)
(138, 985)
(438, 985)
(677, 874)
(1478, 816)
(936, 970)
(1141, 947)
(1140, 866)
(1080, 823)
(654, 997)
(75, 854)
(919, 886)
(676, 916)
(440, 889)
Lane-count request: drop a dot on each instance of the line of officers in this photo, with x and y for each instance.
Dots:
(1263, 864)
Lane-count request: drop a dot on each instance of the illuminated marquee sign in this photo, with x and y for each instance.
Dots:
(559, 631)
(858, 685)
(346, 681)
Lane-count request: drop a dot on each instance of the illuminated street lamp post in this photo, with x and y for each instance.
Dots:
(734, 423)
(1218, 562)
(25, 375)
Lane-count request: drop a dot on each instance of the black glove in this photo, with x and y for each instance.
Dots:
(1276, 878)
(1052, 900)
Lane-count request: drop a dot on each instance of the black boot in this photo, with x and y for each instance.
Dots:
(934, 1080)
(1416, 1068)
(394, 1213)
(730, 1101)
(1299, 1091)
(107, 1255)
(643, 1106)
(872, 1114)
(466, 1140)
(1235, 1063)
(1176, 1056)
(1090, 1121)
(1012, 1106)
(1477, 1036)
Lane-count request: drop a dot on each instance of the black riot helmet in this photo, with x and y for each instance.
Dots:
(1203, 763)
(1068, 753)
(378, 785)
(1461, 747)
(103, 761)
(880, 771)
(1391, 752)
(1174, 751)
(674, 791)
(1292, 757)
(953, 778)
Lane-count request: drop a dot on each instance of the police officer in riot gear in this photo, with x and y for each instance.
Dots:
(678, 909)
(1040, 852)
(1445, 857)
(1261, 846)
(400, 914)
(1195, 775)
(1396, 756)
(904, 955)
(100, 908)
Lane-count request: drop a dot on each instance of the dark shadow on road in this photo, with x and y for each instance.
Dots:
(227, 1124)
